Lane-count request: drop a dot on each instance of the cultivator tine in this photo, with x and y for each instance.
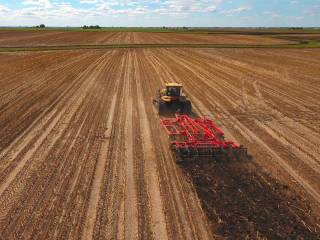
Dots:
(200, 139)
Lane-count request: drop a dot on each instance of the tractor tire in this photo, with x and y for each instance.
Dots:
(187, 108)
(162, 108)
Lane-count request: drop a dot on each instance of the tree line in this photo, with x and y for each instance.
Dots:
(91, 27)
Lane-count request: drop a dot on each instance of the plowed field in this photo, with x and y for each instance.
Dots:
(301, 37)
(52, 38)
(82, 153)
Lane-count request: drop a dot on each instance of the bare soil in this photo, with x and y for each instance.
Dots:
(243, 202)
(300, 37)
(82, 153)
(55, 38)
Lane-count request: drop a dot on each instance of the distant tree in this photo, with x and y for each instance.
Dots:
(42, 26)
(91, 27)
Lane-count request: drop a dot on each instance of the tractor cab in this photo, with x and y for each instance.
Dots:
(171, 92)
(173, 89)
(172, 100)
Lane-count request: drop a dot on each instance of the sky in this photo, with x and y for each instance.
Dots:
(157, 13)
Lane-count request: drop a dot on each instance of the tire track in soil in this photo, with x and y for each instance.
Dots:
(87, 145)
(144, 210)
(19, 143)
(208, 101)
(66, 163)
(308, 152)
(92, 156)
(98, 178)
(235, 122)
(38, 121)
(48, 126)
(75, 103)
(157, 217)
(82, 174)
(94, 161)
(130, 198)
(111, 197)
(181, 204)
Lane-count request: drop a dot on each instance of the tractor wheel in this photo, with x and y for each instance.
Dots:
(187, 107)
(162, 108)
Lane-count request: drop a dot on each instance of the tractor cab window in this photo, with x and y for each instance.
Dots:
(173, 91)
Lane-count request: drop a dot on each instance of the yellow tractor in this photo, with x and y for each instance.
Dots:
(172, 100)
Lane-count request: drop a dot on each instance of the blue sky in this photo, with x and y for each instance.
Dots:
(206, 13)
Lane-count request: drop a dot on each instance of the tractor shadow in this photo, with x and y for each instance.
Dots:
(242, 201)
(170, 114)
(173, 115)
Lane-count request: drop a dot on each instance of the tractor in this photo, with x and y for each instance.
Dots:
(172, 100)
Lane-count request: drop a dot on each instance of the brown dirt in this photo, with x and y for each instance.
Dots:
(82, 154)
(243, 202)
(300, 37)
(53, 38)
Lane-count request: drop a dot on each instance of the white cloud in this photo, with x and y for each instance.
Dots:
(38, 3)
(172, 7)
(235, 10)
(89, 1)
(178, 7)
(3, 9)
(167, 12)
(51, 9)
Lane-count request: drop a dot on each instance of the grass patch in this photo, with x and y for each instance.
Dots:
(242, 31)
(104, 29)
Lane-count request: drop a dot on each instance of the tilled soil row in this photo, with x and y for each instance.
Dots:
(83, 154)
(248, 113)
(16, 38)
(215, 89)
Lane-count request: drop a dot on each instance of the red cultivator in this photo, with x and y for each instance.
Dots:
(200, 138)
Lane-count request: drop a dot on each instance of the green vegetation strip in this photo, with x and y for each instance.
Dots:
(315, 44)
(246, 31)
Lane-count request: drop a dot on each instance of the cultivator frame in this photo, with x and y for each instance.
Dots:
(200, 138)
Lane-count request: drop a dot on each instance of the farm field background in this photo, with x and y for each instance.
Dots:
(54, 38)
(80, 138)
(83, 154)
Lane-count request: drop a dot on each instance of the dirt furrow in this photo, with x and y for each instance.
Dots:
(51, 121)
(186, 206)
(130, 202)
(158, 222)
(91, 142)
(112, 188)
(83, 154)
(66, 116)
(38, 108)
(98, 178)
(229, 102)
(199, 86)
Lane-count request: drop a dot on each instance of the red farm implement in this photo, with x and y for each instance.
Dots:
(200, 138)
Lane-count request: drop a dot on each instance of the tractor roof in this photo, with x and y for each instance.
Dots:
(173, 85)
